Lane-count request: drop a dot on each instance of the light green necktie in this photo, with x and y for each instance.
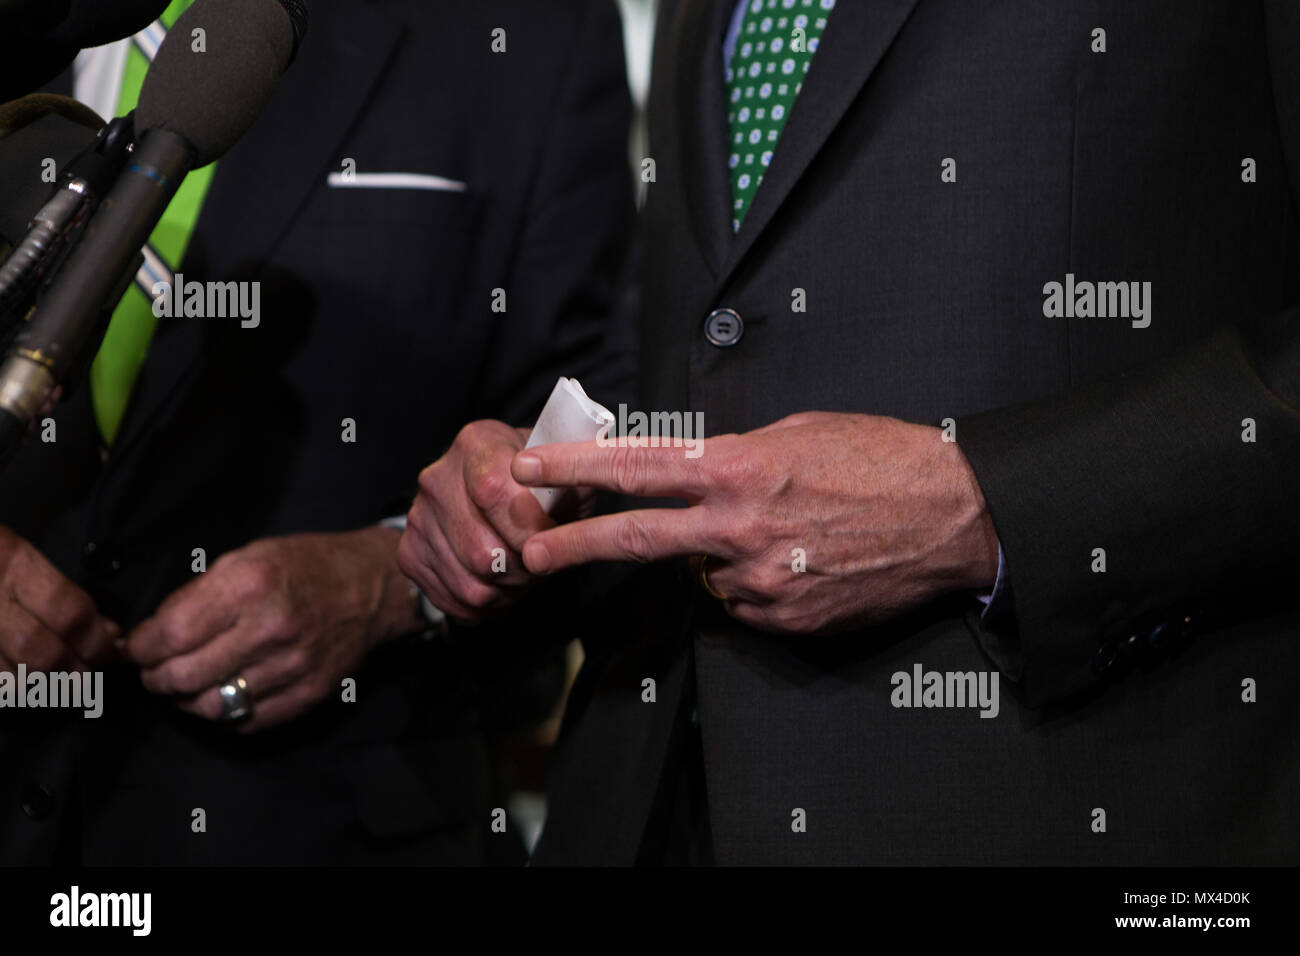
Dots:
(776, 43)
(126, 343)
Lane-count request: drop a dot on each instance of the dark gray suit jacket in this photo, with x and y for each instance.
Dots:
(1121, 691)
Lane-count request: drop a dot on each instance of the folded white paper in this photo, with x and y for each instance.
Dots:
(569, 415)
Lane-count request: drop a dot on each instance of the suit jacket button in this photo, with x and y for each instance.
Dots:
(37, 801)
(97, 559)
(92, 557)
(724, 327)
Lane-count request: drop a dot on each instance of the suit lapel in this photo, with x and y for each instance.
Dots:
(857, 36)
(701, 111)
(300, 131)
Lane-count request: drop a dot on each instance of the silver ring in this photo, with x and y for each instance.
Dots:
(236, 704)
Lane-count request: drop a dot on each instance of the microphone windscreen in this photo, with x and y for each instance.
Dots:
(96, 22)
(297, 11)
(209, 87)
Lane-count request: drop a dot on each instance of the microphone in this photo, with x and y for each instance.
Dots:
(44, 118)
(193, 107)
(210, 98)
(34, 129)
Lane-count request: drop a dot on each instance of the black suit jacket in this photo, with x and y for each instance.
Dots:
(376, 307)
(1121, 691)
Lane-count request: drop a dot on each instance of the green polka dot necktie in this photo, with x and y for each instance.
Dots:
(776, 43)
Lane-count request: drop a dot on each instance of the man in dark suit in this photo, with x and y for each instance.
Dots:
(434, 205)
(1037, 268)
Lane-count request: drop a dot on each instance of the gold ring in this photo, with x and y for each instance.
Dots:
(700, 567)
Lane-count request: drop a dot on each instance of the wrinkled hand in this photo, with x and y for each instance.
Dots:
(470, 515)
(46, 621)
(292, 615)
(886, 514)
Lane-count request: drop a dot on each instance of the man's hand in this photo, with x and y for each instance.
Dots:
(46, 621)
(886, 515)
(292, 616)
(470, 516)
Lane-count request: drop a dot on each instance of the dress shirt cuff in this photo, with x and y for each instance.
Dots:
(998, 601)
(431, 614)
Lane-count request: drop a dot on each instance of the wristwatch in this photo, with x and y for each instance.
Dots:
(430, 614)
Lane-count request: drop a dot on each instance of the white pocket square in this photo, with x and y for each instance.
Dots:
(395, 181)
